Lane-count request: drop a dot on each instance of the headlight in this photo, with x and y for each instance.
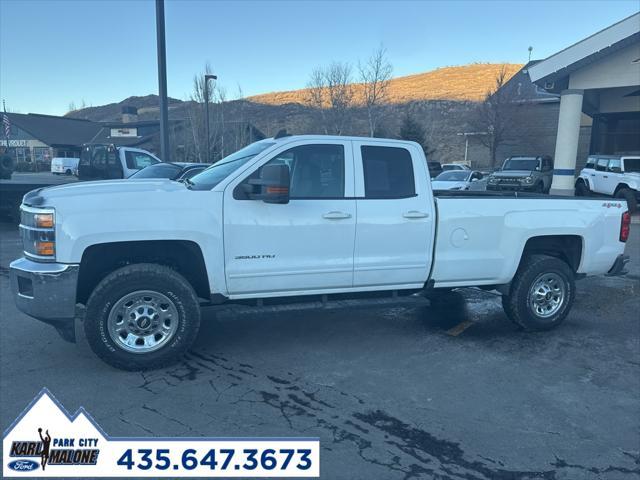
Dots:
(528, 180)
(492, 180)
(37, 229)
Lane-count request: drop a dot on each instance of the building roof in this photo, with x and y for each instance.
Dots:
(560, 65)
(56, 131)
(523, 90)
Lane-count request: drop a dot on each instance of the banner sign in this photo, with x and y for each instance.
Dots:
(13, 143)
(45, 441)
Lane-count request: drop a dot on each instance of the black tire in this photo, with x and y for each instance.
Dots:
(68, 172)
(539, 188)
(532, 270)
(582, 190)
(630, 196)
(132, 278)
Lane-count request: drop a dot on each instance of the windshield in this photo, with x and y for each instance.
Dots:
(213, 175)
(529, 164)
(159, 170)
(632, 165)
(452, 176)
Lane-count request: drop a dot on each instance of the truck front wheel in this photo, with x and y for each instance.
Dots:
(541, 293)
(142, 316)
(581, 189)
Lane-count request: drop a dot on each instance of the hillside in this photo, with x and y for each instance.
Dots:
(147, 106)
(461, 83)
(458, 84)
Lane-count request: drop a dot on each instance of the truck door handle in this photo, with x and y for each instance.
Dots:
(593, 174)
(605, 176)
(415, 214)
(336, 215)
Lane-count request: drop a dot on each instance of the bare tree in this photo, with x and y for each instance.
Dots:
(339, 95)
(315, 98)
(495, 115)
(200, 90)
(375, 75)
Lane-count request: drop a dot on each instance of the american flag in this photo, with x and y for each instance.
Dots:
(6, 123)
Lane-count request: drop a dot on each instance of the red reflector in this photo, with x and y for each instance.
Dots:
(625, 226)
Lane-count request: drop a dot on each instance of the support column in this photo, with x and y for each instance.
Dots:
(567, 142)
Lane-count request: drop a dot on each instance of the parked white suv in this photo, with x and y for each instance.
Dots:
(615, 176)
(295, 216)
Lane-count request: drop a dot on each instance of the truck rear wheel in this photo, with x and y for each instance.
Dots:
(541, 293)
(142, 316)
(630, 196)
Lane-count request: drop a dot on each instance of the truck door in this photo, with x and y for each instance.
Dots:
(135, 160)
(612, 176)
(600, 175)
(395, 226)
(300, 247)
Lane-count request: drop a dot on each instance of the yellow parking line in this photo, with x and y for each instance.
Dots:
(458, 329)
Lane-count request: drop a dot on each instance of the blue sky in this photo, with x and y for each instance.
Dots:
(55, 52)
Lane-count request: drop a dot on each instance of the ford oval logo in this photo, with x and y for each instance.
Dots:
(23, 465)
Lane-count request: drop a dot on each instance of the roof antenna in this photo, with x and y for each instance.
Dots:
(281, 133)
(530, 50)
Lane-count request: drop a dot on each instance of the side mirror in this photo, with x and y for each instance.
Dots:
(273, 184)
(474, 179)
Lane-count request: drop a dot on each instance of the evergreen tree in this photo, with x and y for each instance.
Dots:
(412, 130)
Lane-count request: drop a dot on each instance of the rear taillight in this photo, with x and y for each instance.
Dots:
(625, 226)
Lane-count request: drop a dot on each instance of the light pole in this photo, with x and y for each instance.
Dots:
(208, 77)
(162, 82)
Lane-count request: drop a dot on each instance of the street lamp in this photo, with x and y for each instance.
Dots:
(208, 77)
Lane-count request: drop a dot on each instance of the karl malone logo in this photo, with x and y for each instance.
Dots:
(63, 452)
(29, 445)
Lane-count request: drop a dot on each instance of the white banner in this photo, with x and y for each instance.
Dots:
(45, 441)
(13, 143)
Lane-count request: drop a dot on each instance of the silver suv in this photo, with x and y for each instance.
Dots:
(530, 174)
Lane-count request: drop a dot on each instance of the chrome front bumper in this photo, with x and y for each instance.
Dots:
(47, 292)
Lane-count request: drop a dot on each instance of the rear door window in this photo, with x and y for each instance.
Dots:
(615, 165)
(601, 166)
(388, 172)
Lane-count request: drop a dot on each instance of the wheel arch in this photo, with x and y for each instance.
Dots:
(184, 256)
(619, 187)
(583, 180)
(568, 248)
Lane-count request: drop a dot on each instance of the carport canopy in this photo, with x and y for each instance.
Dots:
(597, 76)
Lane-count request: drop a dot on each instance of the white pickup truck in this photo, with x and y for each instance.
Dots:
(107, 161)
(295, 216)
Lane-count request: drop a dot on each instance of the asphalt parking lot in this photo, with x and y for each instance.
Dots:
(392, 390)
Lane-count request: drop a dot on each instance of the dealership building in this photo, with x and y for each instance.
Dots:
(35, 138)
(598, 77)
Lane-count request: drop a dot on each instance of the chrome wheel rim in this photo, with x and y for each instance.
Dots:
(547, 295)
(142, 321)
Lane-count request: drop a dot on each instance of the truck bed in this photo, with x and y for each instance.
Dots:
(480, 237)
